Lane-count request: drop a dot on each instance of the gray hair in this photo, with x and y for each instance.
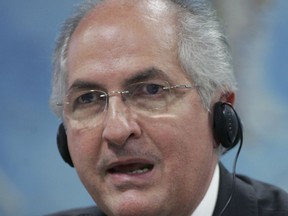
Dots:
(203, 50)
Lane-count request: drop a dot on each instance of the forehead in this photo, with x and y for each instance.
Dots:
(144, 17)
(118, 37)
(108, 10)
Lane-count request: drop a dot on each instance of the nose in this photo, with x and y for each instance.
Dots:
(120, 123)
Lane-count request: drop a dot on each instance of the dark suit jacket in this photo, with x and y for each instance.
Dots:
(250, 198)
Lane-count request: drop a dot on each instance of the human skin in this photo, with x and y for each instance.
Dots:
(116, 42)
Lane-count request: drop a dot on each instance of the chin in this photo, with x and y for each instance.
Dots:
(133, 204)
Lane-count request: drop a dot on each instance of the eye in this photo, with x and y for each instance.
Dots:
(87, 98)
(152, 88)
(150, 95)
(91, 97)
(147, 89)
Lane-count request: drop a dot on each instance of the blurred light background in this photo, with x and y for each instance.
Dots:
(33, 178)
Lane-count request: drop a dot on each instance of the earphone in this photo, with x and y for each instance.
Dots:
(227, 127)
(63, 145)
(227, 130)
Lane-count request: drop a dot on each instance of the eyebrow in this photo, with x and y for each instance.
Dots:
(140, 76)
(144, 75)
(82, 84)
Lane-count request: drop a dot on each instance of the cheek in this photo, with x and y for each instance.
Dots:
(187, 152)
(185, 140)
(83, 147)
(180, 131)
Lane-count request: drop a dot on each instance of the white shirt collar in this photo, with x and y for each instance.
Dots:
(208, 203)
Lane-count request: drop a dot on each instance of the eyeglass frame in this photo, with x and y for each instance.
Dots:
(107, 95)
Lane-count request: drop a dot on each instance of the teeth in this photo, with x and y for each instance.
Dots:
(131, 169)
(139, 171)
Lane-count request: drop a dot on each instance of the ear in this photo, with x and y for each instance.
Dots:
(228, 97)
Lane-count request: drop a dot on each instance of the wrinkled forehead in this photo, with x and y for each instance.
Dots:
(117, 33)
(109, 9)
(112, 17)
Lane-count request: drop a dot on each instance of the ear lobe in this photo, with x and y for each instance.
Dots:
(63, 145)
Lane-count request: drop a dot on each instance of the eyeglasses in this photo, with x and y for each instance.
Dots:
(88, 105)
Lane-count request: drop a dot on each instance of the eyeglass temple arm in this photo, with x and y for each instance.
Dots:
(181, 86)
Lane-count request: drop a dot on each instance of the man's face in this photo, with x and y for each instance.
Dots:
(135, 163)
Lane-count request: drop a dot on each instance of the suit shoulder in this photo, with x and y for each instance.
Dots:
(269, 198)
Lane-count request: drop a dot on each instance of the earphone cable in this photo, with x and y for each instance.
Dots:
(234, 168)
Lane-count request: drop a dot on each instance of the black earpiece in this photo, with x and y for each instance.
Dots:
(227, 127)
(228, 132)
(63, 145)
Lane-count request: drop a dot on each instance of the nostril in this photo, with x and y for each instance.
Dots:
(118, 131)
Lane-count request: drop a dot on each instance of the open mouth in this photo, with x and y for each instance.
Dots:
(131, 169)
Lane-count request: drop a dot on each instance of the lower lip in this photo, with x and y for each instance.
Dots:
(131, 179)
